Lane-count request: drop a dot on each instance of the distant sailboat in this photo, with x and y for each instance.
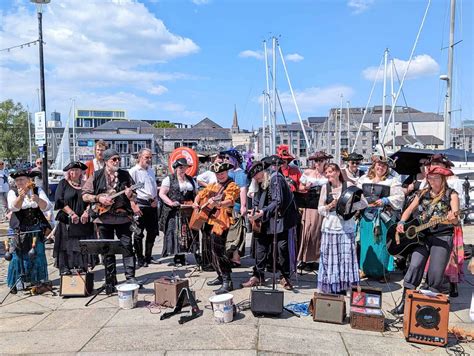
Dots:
(63, 157)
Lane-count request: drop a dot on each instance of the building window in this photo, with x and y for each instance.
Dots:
(177, 144)
(121, 146)
(285, 141)
(138, 145)
(302, 153)
(404, 128)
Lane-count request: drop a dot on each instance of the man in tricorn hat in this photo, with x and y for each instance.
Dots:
(352, 172)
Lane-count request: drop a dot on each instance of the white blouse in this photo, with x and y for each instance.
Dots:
(27, 202)
(396, 197)
(313, 180)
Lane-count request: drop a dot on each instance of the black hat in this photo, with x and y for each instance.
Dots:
(439, 158)
(219, 167)
(180, 162)
(25, 173)
(353, 157)
(272, 160)
(233, 153)
(320, 156)
(255, 168)
(75, 164)
(109, 153)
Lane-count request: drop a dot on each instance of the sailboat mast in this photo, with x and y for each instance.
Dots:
(384, 96)
(273, 149)
(449, 82)
(267, 97)
(74, 129)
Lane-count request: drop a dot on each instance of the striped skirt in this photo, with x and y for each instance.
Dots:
(338, 267)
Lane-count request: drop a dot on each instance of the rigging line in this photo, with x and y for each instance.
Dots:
(366, 106)
(392, 112)
(283, 114)
(405, 100)
(27, 44)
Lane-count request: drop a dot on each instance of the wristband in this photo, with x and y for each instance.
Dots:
(401, 222)
(385, 201)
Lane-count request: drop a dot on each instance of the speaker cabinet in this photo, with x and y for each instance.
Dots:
(266, 301)
(426, 318)
(76, 284)
(167, 291)
(328, 308)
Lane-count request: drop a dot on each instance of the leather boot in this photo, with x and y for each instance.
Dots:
(252, 282)
(227, 286)
(453, 290)
(399, 309)
(215, 282)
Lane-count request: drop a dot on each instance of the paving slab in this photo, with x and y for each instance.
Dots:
(180, 337)
(300, 341)
(10, 322)
(45, 341)
(76, 318)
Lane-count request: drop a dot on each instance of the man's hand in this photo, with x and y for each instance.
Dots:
(176, 204)
(256, 216)
(74, 218)
(105, 200)
(136, 210)
(129, 193)
(85, 217)
(154, 203)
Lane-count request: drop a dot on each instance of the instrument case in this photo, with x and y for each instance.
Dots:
(167, 290)
(328, 308)
(366, 309)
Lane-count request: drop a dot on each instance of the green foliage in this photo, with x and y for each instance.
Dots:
(163, 125)
(13, 131)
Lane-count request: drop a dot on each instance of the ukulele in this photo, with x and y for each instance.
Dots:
(412, 235)
(100, 209)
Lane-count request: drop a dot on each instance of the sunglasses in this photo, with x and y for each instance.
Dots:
(319, 160)
(1, 163)
(115, 159)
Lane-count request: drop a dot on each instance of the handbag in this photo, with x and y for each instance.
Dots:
(236, 235)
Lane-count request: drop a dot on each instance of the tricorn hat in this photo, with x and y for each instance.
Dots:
(353, 156)
(440, 170)
(25, 173)
(439, 158)
(321, 155)
(180, 162)
(283, 151)
(219, 167)
(273, 160)
(75, 164)
(257, 167)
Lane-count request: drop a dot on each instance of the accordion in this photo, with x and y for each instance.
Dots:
(309, 199)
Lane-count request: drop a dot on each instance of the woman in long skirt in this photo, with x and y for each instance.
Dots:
(338, 267)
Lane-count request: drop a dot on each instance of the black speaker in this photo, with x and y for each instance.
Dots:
(266, 301)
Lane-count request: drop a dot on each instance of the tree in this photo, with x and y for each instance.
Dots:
(163, 125)
(13, 131)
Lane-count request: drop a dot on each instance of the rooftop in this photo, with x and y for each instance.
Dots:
(122, 124)
(426, 140)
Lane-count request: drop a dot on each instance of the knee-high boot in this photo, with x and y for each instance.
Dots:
(400, 307)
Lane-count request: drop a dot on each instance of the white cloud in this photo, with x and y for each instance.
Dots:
(294, 57)
(106, 48)
(421, 65)
(252, 54)
(311, 99)
(157, 90)
(359, 6)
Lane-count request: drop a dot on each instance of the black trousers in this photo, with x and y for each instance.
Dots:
(108, 232)
(220, 261)
(263, 251)
(438, 249)
(149, 222)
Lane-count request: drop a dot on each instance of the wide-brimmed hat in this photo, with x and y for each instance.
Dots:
(321, 155)
(219, 167)
(379, 156)
(255, 168)
(233, 153)
(180, 162)
(272, 160)
(109, 153)
(439, 158)
(353, 156)
(75, 164)
(440, 170)
(283, 151)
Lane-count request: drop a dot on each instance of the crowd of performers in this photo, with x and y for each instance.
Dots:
(223, 202)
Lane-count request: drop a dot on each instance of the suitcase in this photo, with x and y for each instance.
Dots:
(328, 308)
(366, 309)
(426, 318)
(266, 301)
(167, 290)
(78, 284)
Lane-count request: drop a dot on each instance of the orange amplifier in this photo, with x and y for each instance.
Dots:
(426, 318)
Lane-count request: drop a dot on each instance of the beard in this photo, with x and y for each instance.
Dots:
(113, 169)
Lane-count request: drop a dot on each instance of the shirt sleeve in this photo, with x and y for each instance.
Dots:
(322, 202)
(44, 197)
(11, 197)
(166, 182)
(59, 196)
(88, 187)
(397, 197)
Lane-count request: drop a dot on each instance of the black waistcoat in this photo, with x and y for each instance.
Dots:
(124, 180)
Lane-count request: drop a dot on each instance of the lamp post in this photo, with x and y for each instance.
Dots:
(39, 10)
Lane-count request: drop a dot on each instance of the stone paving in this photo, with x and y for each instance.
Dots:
(54, 325)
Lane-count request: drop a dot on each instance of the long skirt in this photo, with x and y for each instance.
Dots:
(338, 267)
(67, 252)
(375, 261)
(310, 236)
(34, 268)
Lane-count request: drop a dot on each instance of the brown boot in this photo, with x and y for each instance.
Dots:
(252, 282)
(285, 283)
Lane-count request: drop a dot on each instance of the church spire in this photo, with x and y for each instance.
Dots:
(235, 122)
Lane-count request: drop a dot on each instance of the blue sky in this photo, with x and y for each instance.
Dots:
(183, 60)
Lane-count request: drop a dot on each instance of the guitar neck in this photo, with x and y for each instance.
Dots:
(122, 192)
(435, 221)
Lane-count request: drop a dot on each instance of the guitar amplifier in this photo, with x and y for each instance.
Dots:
(328, 308)
(78, 284)
(426, 318)
(266, 301)
(167, 290)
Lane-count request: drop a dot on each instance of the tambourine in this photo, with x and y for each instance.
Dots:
(348, 197)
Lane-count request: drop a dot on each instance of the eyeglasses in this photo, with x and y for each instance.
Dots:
(1, 163)
(115, 159)
(39, 163)
(319, 160)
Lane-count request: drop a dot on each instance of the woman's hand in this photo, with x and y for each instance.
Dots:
(452, 217)
(332, 204)
(377, 203)
(74, 218)
(400, 228)
(35, 198)
(85, 217)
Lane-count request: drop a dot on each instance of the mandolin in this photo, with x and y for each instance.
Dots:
(100, 209)
(412, 235)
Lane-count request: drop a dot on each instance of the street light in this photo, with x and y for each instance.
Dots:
(39, 10)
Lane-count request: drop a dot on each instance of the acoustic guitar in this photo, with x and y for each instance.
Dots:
(100, 209)
(256, 223)
(412, 235)
(201, 215)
